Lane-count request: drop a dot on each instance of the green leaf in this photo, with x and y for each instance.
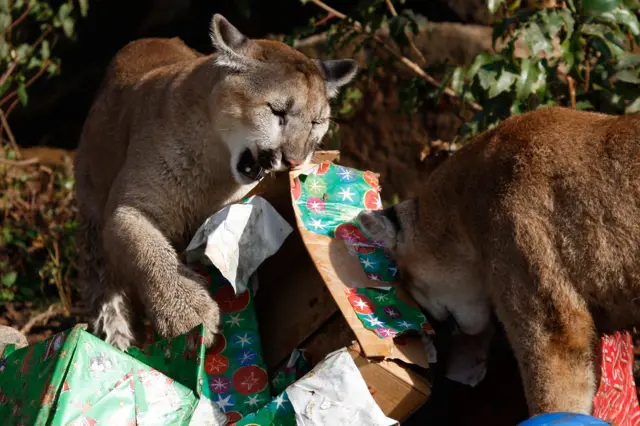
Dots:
(629, 60)
(528, 75)
(17, 4)
(34, 62)
(22, 52)
(45, 52)
(568, 53)
(22, 95)
(554, 23)
(569, 22)
(493, 5)
(583, 105)
(628, 19)
(634, 107)
(9, 279)
(599, 6)
(536, 40)
(629, 76)
(502, 84)
(457, 81)
(487, 78)
(27, 292)
(67, 27)
(480, 60)
(4, 48)
(5, 21)
(4, 6)
(64, 11)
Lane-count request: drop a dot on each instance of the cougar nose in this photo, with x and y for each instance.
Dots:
(290, 163)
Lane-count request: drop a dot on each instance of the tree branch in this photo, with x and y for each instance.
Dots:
(413, 46)
(415, 68)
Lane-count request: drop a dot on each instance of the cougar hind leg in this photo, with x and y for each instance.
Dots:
(113, 311)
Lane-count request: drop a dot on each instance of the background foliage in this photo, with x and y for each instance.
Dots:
(36, 205)
(572, 53)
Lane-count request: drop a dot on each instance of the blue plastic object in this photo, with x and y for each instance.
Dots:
(566, 419)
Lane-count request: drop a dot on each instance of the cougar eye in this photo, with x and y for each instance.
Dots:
(280, 113)
(318, 121)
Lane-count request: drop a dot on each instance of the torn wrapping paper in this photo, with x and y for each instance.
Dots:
(334, 393)
(74, 378)
(238, 238)
(329, 198)
(382, 312)
(297, 366)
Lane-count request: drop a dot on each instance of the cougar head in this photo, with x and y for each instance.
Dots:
(273, 101)
(436, 266)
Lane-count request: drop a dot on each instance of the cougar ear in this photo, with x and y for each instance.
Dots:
(337, 73)
(230, 43)
(381, 225)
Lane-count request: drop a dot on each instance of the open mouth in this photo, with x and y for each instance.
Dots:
(249, 167)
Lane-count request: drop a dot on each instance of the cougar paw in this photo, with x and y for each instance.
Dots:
(192, 306)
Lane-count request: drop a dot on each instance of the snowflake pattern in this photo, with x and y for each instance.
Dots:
(244, 340)
(367, 263)
(220, 384)
(246, 357)
(346, 194)
(374, 321)
(224, 402)
(345, 174)
(253, 401)
(234, 320)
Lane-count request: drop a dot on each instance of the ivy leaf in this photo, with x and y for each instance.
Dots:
(396, 30)
(537, 40)
(487, 78)
(493, 5)
(599, 6)
(34, 62)
(84, 7)
(5, 21)
(480, 60)
(583, 105)
(457, 81)
(22, 94)
(45, 52)
(502, 84)
(4, 47)
(629, 60)
(633, 107)
(628, 76)
(64, 11)
(568, 50)
(630, 20)
(9, 279)
(22, 51)
(554, 23)
(528, 75)
(569, 22)
(67, 27)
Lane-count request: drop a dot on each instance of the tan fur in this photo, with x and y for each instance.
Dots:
(539, 218)
(160, 152)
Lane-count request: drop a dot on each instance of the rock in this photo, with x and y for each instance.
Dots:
(9, 335)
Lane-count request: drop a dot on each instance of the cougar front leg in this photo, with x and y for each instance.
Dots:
(175, 298)
(554, 341)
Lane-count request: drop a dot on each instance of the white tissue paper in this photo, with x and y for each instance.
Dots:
(239, 238)
(334, 393)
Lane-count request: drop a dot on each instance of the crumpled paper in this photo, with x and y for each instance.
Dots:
(238, 238)
(334, 393)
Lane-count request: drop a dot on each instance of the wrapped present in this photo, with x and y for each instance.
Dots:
(616, 400)
(75, 378)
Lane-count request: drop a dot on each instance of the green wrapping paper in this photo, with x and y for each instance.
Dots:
(75, 378)
(279, 411)
(329, 198)
(235, 372)
(382, 312)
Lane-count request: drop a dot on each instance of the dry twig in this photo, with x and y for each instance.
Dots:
(42, 318)
(7, 129)
(415, 68)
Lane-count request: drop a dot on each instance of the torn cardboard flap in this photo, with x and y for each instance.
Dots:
(340, 269)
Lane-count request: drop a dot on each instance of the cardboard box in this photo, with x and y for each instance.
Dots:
(301, 303)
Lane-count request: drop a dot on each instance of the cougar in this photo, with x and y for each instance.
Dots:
(539, 219)
(172, 137)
